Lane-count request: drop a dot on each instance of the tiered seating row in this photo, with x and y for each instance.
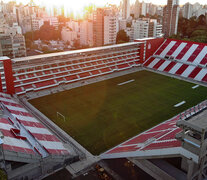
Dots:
(124, 149)
(50, 75)
(70, 65)
(157, 138)
(162, 145)
(178, 68)
(10, 142)
(75, 60)
(17, 142)
(195, 53)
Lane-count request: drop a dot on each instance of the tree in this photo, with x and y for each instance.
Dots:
(3, 175)
(48, 32)
(141, 16)
(76, 44)
(182, 26)
(175, 36)
(201, 20)
(199, 32)
(122, 37)
(155, 16)
(129, 25)
(193, 29)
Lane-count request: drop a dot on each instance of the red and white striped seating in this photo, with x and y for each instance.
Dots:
(38, 77)
(181, 58)
(185, 51)
(14, 143)
(159, 140)
(178, 68)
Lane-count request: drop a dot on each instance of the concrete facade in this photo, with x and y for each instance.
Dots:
(126, 9)
(170, 18)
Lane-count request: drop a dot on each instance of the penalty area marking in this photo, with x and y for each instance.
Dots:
(196, 86)
(180, 104)
(132, 80)
(60, 115)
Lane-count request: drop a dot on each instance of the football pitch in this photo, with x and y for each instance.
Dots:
(104, 114)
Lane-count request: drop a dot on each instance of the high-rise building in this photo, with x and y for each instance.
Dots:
(1, 53)
(126, 9)
(170, 18)
(104, 27)
(12, 46)
(74, 25)
(11, 40)
(141, 27)
(110, 27)
(144, 28)
(188, 10)
(137, 9)
(122, 24)
(86, 33)
(143, 8)
(152, 9)
(36, 23)
(18, 46)
(98, 27)
(198, 10)
(53, 21)
(68, 35)
(155, 28)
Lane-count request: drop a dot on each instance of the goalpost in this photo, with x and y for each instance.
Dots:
(59, 115)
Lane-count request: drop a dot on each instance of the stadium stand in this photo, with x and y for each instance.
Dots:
(181, 58)
(26, 139)
(62, 68)
(157, 141)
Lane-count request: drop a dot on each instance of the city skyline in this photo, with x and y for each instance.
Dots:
(79, 4)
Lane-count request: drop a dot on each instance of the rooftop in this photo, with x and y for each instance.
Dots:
(74, 52)
(198, 123)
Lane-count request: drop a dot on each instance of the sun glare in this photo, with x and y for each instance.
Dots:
(76, 7)
(79, 8)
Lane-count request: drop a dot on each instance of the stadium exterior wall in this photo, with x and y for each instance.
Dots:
(9, 76)
(9, 79)
(150, 47)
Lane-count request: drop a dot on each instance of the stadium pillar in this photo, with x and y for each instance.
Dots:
(8, 73)
(1, 89)
(142, 52)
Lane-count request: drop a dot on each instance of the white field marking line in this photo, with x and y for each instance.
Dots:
(179, 104)
(196, 86)
(126, 82)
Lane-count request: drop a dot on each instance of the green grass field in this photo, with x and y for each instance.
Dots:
(102, 115)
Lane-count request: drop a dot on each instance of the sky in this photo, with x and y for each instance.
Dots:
(79, 3)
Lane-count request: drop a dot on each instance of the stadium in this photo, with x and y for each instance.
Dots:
(144, 101)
